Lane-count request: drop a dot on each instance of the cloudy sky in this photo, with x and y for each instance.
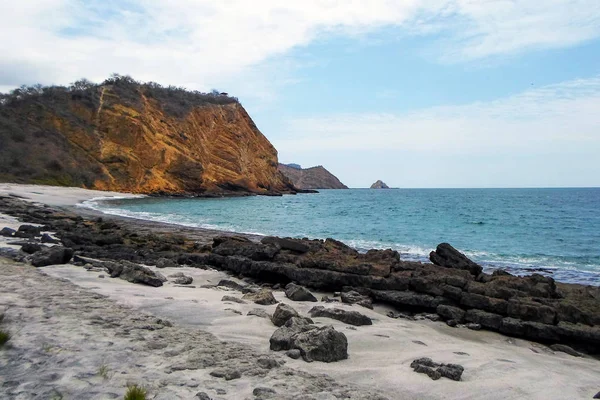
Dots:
(418, 93)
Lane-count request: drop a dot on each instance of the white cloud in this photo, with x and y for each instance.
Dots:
(559, 117)
(201, 43)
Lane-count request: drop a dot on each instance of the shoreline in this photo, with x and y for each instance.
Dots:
(496, 366)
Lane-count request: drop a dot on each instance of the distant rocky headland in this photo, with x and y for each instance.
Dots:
(311, 178)
(128, 136)
(379, 185)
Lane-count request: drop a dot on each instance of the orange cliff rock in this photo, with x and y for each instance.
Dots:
(128, 137)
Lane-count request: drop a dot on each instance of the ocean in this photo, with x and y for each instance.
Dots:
(551, 231)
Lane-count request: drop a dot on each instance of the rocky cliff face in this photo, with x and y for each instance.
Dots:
(311, 178)
(141, 138)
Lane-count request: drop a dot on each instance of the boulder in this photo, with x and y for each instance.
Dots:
(298, 293)
(485, 319)
(49, 239)
(31, 248)
(258, 312)
(283, 338)
(282, 313)
(231, 284)
(293, 353)
(321, 344)
(181, 279)
(348, 317)
(134, 273)
(236, 300)
(239, 246)
(435, 370)
(263, 297)
(353, 297)
(51, 256)
(7, 232)
(30, 229)
(447, 256)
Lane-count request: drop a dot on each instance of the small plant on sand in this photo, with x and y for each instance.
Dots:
(4, 337)
(135, 392)
(104, 371)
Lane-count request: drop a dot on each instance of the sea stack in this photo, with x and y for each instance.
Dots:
(379, 185)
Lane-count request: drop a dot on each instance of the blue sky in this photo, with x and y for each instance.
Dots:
(436, 93)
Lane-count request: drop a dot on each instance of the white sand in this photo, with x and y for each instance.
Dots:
(496, 367)
(55, 195)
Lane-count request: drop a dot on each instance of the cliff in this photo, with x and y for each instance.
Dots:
(123, 135)
(311, 178)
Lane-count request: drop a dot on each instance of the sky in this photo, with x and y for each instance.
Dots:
(417, 93)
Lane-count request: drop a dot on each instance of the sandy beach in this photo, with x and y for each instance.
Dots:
(80, 334)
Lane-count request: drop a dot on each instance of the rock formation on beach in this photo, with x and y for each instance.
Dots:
(455, 288)
(311, 178)
(127, 136)
(379, 185)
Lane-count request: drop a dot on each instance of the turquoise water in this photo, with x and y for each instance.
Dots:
(517, 229)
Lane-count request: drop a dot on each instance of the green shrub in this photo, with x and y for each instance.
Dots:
(4, 337)
(135, 392)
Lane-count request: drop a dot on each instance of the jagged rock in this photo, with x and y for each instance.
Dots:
(31, 248)
(134, 273)
(286, 244)
(180, 278)
(231, 284)
(166, 263)
(435, 370)
(264, 393)
(263, 297)
(349, 317)
(353, 297)
(327, 299)
(450, 312)
(379, 184)
(298, 293)
(51, 256)
(46, 238)
(447, 256)
(484, 319)
(597, 396)
(283, 338)
(244, 247)
(30, 229)
(237, 300)
(282, 313)
(7, 232)
(566, 349)
(258, 312)
(202, 396)
(322, 344)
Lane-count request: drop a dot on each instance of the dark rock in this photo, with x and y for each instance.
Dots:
(166, 263)
(321, 344)
(282, 313)
(293, 353)
(203, 396)
(447, 256)
(51, 256)
(529, 311)
(264, 392)
(295, 245)
(349, 317)
(451, 312)
(237, 300)
(235, 246)
(7, 232)
(408, 298)
(566, 349)
(30, 229)
(268, 363)
(227, 373)
(134, 273)
(435, 370)
(452, 323)
(283, 338)
(263, 297)
(353, 297)
(49, 239)
(258, 312)
(485, 319)
(182, 279)
(481, 302)
(597, 396)
(31, 248)
(298, 293)
(327, 299)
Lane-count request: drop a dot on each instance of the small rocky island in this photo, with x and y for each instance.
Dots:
(379, 185)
